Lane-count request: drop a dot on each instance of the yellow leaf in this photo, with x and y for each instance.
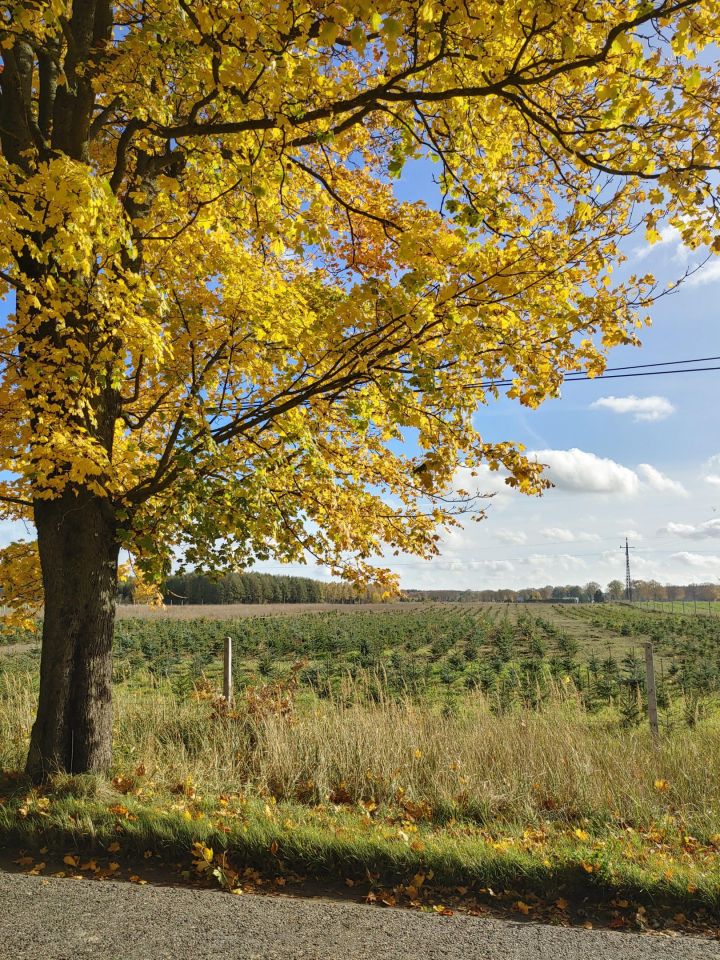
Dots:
(693, 81)
(329, 32)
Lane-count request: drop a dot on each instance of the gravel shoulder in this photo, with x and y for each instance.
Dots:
(52, 919)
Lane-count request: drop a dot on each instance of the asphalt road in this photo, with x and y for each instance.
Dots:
(50, 919)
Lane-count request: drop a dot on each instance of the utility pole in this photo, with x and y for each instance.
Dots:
(628, 580)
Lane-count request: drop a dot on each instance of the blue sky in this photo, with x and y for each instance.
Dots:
(636, 457)
(629, 457)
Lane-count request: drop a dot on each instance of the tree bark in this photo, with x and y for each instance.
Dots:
(78, 555)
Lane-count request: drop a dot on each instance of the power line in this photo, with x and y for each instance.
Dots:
(666, 363)
(641, 370)
(605, 376)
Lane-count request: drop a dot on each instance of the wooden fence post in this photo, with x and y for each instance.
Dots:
(227, 671)
(651, 691)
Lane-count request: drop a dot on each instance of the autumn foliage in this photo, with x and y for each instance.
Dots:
(221, 302)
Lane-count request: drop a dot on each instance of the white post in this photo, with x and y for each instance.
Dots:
(227, 671)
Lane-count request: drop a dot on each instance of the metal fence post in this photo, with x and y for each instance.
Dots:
(227, 671)
(651, 692)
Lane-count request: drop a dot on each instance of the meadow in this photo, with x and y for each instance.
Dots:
(488, 746)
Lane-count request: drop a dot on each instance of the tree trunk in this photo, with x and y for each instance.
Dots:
(78, 555)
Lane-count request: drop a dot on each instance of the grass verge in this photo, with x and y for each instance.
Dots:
(342, 842)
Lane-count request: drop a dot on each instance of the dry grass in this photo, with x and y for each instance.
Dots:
(528, 768)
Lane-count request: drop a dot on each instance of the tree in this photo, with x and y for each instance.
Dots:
(589, 591)
(615, 590)
(225, 319)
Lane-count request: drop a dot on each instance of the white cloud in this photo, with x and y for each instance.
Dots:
(558, 533)
(713, 464)
(511, 536)
(670, 238)
(12, 530)
(708, 530)
(632, 535)
(696, 559)
(649, 409)
(584, 472)
(557, 562)
(481, 480)
(563, 535)
(658, 481)
(710, 273)
(494, 566)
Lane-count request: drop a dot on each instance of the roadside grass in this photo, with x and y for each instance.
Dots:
(365, 784)
(329, 844)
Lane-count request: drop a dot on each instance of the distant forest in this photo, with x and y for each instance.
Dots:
(197, 588)
(642, 590)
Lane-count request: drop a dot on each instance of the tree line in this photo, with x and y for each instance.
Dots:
(200, 588)
(642, 590)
